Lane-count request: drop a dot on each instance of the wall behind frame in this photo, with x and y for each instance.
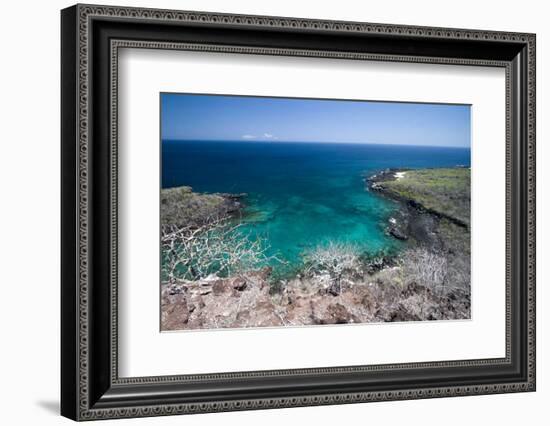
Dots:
(30, 226)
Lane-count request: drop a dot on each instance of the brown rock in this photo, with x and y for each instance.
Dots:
(403, 314)
(239, 283)
(338, 314)
(331, 313)
(220, 287)
(368, 301)
(174, 315)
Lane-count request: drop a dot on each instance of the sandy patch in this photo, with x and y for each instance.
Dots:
(399, 175)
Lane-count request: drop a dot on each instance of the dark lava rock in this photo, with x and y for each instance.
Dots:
(423, 228)
(397, 233)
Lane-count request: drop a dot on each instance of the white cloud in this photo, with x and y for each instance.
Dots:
(265, 136)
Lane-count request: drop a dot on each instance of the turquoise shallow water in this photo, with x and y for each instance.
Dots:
(302, 194)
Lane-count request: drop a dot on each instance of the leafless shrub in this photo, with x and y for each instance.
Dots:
(425, 268)
(218, 247)
(334, 259)
(459, 272)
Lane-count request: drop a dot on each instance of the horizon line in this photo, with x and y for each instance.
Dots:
(274, 142)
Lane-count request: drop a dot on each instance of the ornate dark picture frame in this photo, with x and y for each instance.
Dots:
(90, 385)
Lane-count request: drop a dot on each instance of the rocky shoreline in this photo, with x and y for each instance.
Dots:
(180, 206)
(410, 221)
(413, 220)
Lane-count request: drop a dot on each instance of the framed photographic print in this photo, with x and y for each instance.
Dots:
(263, 212)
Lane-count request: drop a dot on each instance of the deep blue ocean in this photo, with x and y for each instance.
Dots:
(302, 194)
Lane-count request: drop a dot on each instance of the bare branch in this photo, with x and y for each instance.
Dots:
(218, 247)
(425, 268)
(334, 259)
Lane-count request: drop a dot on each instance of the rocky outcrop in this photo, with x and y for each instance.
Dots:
(246, 301)
(181, 206)
(420, 193)
(241, 301)
(412, 220)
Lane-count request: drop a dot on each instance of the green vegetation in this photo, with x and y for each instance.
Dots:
(443, 191)
(182, 207)
(443, 244)
(454, 238)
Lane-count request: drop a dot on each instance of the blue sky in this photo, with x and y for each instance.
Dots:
(230, 118)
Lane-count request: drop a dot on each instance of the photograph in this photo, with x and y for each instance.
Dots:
(264, 209)
(287, 212)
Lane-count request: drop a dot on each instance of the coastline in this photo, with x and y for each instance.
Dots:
(415, 219)
(181, 206)
(380, 181)
(373, 288)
